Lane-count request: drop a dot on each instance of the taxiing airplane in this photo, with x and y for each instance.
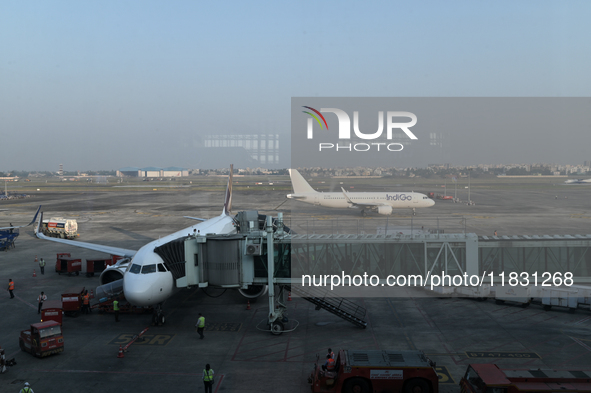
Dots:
(146, 273)
(22, 226)
(578, 181)
(380, 202)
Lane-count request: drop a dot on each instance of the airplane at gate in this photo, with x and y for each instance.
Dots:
(380, 202)
(147, 281)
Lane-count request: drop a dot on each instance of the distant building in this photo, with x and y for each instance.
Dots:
(174, 171)
(151, 171)
(129, 172)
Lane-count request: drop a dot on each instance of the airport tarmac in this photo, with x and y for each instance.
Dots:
(453, 332)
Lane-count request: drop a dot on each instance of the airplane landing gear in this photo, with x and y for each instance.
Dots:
(363, 213)
(158, 317)
(414, 211)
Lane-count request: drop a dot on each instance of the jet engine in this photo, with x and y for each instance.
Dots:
(254, 291)
(114, 272)
(385, 210)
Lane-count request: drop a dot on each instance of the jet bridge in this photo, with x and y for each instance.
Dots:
(264, 252)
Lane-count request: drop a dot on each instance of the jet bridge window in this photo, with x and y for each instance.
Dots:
(148, 269)
(135, 268)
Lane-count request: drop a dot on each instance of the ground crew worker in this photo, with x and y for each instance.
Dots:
(86, 303)
(495, 233)
(331, 353)
(116, 309)
(41, 299)
(208, 378)
(26, 389)
(329, 365)
(11, 287)
(200, 325)
(42, 266)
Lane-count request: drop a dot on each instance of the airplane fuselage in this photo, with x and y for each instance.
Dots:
(397, 200)
(147, 281)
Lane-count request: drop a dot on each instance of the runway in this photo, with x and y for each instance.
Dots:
(453, 332)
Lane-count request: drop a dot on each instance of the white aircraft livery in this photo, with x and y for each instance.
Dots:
(380, 202)
(578, 181)
(147, 281)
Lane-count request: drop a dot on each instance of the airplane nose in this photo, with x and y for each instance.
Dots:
(431, 203)
(137, 289)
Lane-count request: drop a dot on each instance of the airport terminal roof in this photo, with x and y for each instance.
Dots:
(174, 168)
(129, 169)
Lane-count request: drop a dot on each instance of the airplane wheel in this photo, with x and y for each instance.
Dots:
(277, 328)
(161, 319)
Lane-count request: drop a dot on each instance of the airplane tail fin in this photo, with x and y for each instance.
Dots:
(300, 185)
(38, 229)
(228, 201)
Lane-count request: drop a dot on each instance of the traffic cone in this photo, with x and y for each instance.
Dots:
(34, 274)
(36, 260)
(289, 296)
(120, 355)
(248, 304)
(91, 294)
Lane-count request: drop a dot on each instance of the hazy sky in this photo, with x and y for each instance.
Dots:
(107, 84)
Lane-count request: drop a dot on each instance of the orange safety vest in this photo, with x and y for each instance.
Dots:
(330, 364)
(86, 299)
(11, 286)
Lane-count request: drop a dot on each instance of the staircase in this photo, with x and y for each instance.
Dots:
(340, 307)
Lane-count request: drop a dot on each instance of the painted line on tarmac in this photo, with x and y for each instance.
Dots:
(219, 384)
(24, 301)
(577, 341)
(120, 372)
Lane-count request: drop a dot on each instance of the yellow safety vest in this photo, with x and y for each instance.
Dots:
(208, 375)
(201, 322)
(116, 305)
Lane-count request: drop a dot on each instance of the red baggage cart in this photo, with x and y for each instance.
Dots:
(68, 265)
(52, 311)
(72, 301)
(96, 266)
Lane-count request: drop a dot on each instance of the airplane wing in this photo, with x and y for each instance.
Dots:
(90, 246)
(362, 205)
(196, 218)
(22, 226)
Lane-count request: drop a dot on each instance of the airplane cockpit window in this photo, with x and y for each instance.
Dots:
(161, 268)
(148, 269)
(135, 268)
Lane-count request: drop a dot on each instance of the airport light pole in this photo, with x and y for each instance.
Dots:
(469, 171)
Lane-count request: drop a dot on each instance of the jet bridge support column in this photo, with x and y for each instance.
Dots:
(279, 315)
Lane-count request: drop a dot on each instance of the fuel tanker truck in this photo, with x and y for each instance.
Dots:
(60, 227)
